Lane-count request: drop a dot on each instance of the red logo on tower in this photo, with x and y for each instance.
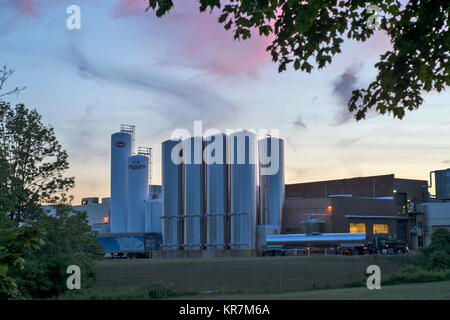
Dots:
(120, 144)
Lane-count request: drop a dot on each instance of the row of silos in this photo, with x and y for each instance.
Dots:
(210, 199)
(131, 210)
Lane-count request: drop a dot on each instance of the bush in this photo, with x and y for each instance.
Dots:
(439, 260)
(440, 240)
(437, 254)
(142, 293)
(415, 275)
(67, 240)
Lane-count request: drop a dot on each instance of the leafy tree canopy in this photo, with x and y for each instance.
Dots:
(32, 163)
(311, 32)
(68, 240)
(15, 242)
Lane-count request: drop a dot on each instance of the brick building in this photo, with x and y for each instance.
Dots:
(369, 204)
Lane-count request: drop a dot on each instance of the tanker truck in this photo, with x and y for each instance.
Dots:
(333, 243)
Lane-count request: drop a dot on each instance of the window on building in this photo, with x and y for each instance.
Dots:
(357, 228)
(380, 228)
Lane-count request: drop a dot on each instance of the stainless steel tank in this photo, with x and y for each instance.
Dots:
(172, 206)
(194, 192)
(271, 180)
(243, 158)
(216, 190)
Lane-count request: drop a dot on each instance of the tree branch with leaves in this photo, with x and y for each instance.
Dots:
(310, 33)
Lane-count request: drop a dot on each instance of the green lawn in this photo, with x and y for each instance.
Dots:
(242, 275)
(420, 291)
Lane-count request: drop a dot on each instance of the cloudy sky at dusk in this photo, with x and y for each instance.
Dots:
(127, 66)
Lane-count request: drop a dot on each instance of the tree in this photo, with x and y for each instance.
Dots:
(32, 164)
(312, 31)
(15, 241)
(67, 240)
(5, 73)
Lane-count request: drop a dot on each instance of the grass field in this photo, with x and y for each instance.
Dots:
(243, 275)
(420, 291)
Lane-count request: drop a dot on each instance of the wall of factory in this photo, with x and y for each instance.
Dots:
(435, 215)
(121, 149)
(153, 214)
(339, 213)
(98, 215)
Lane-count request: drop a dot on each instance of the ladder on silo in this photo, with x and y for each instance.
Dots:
(149, 153)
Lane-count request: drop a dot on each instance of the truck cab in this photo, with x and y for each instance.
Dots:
(387, 243)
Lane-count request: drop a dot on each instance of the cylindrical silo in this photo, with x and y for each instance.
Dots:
(121, 149)
(194, 193)
(216, 190)
(243, 158)
(172, 205)
(271, 180)
(153, 212)
(138, 176)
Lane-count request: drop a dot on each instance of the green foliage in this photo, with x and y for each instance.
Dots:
(141, 293)
(440, 240)
(438, 252)
(32, 164)
(68, 240)
(15, 241)
(413, 274)
(312, 32)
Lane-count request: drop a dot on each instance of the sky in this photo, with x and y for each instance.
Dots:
(126, 66)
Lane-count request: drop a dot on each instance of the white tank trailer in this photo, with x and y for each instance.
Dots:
(271, 181)
(138, 178)
(172, 195)
(243, 158)
(216, 190)
(121, 149)
(194, 193)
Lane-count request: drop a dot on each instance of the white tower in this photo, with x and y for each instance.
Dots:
(121, 149)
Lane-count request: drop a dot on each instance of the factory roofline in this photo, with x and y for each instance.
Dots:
(359, 178)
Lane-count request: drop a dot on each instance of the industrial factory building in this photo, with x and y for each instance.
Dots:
(377, 204)
(220, 196)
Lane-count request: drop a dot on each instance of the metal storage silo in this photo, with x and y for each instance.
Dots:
(243, 157)
(121, 149)
(271, 180)
(153, 212)
(216, 190)
(194, 193)
(138, 176)
(172, 197)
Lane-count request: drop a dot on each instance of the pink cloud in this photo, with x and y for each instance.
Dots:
(27, 8)
(201, 42)
(126, 8)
